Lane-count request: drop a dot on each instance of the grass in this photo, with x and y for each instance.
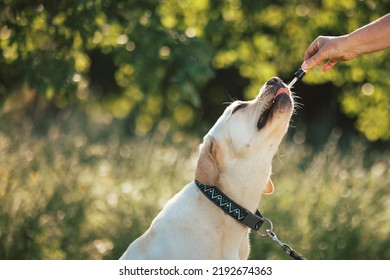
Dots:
(73, 186)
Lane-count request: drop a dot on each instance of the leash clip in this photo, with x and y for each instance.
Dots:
(272, 234)
(286, 248)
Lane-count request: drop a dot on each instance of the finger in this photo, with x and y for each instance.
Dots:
(315, 60)
(329, 65)
(313, 48)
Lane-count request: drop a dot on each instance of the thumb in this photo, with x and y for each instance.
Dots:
(311, 62)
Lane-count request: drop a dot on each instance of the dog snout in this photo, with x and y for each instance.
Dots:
(275, 81)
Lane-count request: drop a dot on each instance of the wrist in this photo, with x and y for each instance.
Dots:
(351, 46)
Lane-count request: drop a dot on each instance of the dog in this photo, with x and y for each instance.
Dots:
(236, 156)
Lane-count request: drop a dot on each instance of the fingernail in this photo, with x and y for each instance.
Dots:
(305, 65)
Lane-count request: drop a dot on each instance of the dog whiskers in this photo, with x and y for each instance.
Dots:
(279, 158)
(232, 100)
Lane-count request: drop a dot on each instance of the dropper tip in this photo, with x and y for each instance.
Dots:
(292, 82)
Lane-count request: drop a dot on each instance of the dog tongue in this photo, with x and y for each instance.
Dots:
(281, 90)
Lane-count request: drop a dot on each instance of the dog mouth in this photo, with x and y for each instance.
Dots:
(281, 96)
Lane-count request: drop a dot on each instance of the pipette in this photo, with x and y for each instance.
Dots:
(299, 74)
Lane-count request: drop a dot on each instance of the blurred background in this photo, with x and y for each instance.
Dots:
(103, 105)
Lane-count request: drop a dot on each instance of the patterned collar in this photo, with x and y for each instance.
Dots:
(233, 209)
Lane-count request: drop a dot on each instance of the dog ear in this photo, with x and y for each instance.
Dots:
(207, 168)
(269, 187)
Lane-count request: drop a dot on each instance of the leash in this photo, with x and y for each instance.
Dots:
(244, 216)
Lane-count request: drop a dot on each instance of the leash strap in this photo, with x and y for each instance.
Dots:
(233, 209)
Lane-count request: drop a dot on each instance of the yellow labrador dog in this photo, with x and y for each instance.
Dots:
(235, 156)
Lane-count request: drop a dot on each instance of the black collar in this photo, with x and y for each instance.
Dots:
(233, 209)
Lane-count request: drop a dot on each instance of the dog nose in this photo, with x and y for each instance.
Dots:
(275, 80)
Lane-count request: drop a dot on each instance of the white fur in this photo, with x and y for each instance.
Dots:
(236, 156)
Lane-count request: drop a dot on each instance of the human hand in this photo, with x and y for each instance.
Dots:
(333, 49)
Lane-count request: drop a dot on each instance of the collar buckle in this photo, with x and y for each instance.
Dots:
(253, 221)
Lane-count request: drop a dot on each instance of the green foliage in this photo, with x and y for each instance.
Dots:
(145, 57)
(74, 187)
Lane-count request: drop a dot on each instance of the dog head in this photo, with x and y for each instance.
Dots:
(240, 146)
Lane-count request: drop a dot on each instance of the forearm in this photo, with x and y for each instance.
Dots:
(371, 37)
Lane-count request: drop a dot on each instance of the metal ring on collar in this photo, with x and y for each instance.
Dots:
(265, 233)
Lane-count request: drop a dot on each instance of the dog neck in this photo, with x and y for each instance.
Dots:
(244, 185)
(244, 191)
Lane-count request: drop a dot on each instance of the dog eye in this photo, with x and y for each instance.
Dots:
(241, 106)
